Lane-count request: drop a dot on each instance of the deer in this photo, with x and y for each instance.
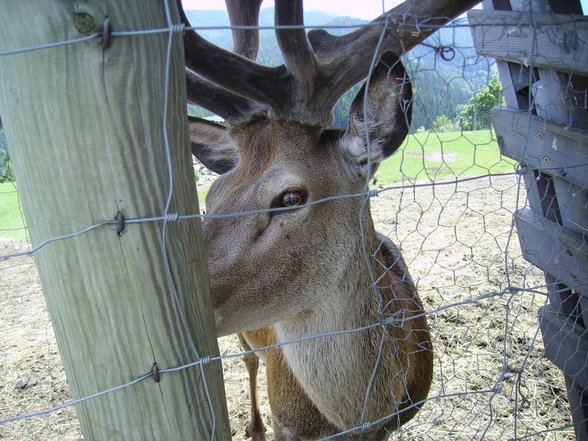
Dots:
(303, 270)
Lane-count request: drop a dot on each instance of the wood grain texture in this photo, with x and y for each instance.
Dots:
(565, 344)
(542, 40)
(85, 129)
(551, 147)
(559, 252)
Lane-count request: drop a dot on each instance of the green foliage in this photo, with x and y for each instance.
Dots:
(341, 109)
(476, 114)
(443, 124)
(6, 170)
(434, 97)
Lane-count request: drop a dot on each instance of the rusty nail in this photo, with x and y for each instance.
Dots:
(120, 223)
(155, 372)
(106, 33)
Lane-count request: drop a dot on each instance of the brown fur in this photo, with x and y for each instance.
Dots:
(283, 276)
(292, 408)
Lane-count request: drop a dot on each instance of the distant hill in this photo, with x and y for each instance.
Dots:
(441, 87)
(269, 53)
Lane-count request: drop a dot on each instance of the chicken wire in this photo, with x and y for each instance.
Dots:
(457, 235)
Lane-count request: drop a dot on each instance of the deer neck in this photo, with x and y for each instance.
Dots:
(345, 298)
(342, 306)
(322, 365)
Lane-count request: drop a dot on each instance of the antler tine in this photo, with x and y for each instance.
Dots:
(232, 107)
(245, 13)
(298, 55)
(239, 78)
(347, 58)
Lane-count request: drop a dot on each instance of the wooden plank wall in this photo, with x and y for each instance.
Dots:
(541, 48)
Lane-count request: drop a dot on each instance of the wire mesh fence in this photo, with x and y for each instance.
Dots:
(447, 200)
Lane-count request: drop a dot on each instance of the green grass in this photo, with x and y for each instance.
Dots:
(12, 224)
(432, 156)
(435, 156)
(11, 217)
(203, 190)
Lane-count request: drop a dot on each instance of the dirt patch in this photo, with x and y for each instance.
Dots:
(491, 378)
(445, 157)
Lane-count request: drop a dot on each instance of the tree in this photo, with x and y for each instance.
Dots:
(476, 113)
(6, 173)
(442, 124)
(341, 109)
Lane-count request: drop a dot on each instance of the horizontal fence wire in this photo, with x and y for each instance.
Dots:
(492, 317)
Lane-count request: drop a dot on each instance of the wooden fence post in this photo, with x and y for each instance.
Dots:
(85, 126)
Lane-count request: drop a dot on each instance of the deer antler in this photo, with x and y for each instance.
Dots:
(212, 72)
(298, 55)
(318, 68)
(245, 13)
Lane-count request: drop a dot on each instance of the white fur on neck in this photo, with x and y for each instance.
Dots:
(328, 368)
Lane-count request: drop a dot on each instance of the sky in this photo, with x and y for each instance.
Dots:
(366, 9)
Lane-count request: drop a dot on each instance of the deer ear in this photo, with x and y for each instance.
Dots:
(383, 119)
(212, 145)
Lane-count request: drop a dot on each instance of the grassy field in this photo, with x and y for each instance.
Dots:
(430, 156)
(11, 217)
(448, 155)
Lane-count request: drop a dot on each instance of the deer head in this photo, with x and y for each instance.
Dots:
(278, 152)
(280, 163)
(263, 266)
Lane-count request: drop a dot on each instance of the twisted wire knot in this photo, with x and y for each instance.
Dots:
(171, 217)
(178, 28)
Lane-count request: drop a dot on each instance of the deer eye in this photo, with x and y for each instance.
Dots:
(292, 198)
